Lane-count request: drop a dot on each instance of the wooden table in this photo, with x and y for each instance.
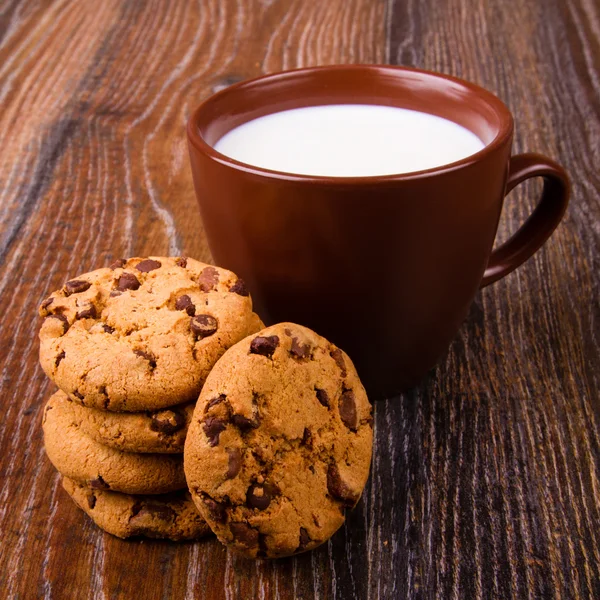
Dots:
(485, 479)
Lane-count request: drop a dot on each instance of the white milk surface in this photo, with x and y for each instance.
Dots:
(349, 140)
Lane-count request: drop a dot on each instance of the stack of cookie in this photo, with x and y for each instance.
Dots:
(130, 347)
(157, 357)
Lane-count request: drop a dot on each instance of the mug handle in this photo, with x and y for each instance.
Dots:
(542, 221)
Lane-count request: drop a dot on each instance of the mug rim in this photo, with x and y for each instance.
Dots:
(503, 135)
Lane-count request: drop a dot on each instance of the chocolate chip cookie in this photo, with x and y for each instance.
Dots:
(168, 516)
(142, 334)
(79, 457)
(280, 442)
(161, 431)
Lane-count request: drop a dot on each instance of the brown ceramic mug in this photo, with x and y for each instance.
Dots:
(386, 267)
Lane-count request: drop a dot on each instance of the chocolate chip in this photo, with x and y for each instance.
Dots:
(299, 350)
(62, 318)
(258, 496)
(118, 264)
(212, 428)
(181, 262)
(99, 483)
(146, 355)
(185, 303)
(304, 540)
(208, 279)
(265, 346)
(204, 325)
(215, 509)
(322, 397)
(235, 462)
(239, 287)
(128, 281)
(337, 355)
(115, 293)
(78, 394)
(150, 511)
(338, 488)
(46, 303)
(91, 499)
(143, 520)
(167, 421)
(159, 511)
(59, 357)
(214, 402)
(107, 328)
(307, 438)
(76, 286)
(347, 408)
(244, 534)
(87, 313)
(148, 265)
(102, 391)
(244, 423)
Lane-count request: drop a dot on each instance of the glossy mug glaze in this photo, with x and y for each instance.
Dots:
(386, 267)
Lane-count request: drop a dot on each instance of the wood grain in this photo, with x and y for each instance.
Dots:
(486, 478)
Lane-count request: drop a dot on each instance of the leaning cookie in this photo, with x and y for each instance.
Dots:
(280, 442)
(142, 334)
(79, 457)
(161, 432)
(169, 516)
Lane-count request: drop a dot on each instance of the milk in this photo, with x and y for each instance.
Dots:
(349, 140)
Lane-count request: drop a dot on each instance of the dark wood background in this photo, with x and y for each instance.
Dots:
(486, 478)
